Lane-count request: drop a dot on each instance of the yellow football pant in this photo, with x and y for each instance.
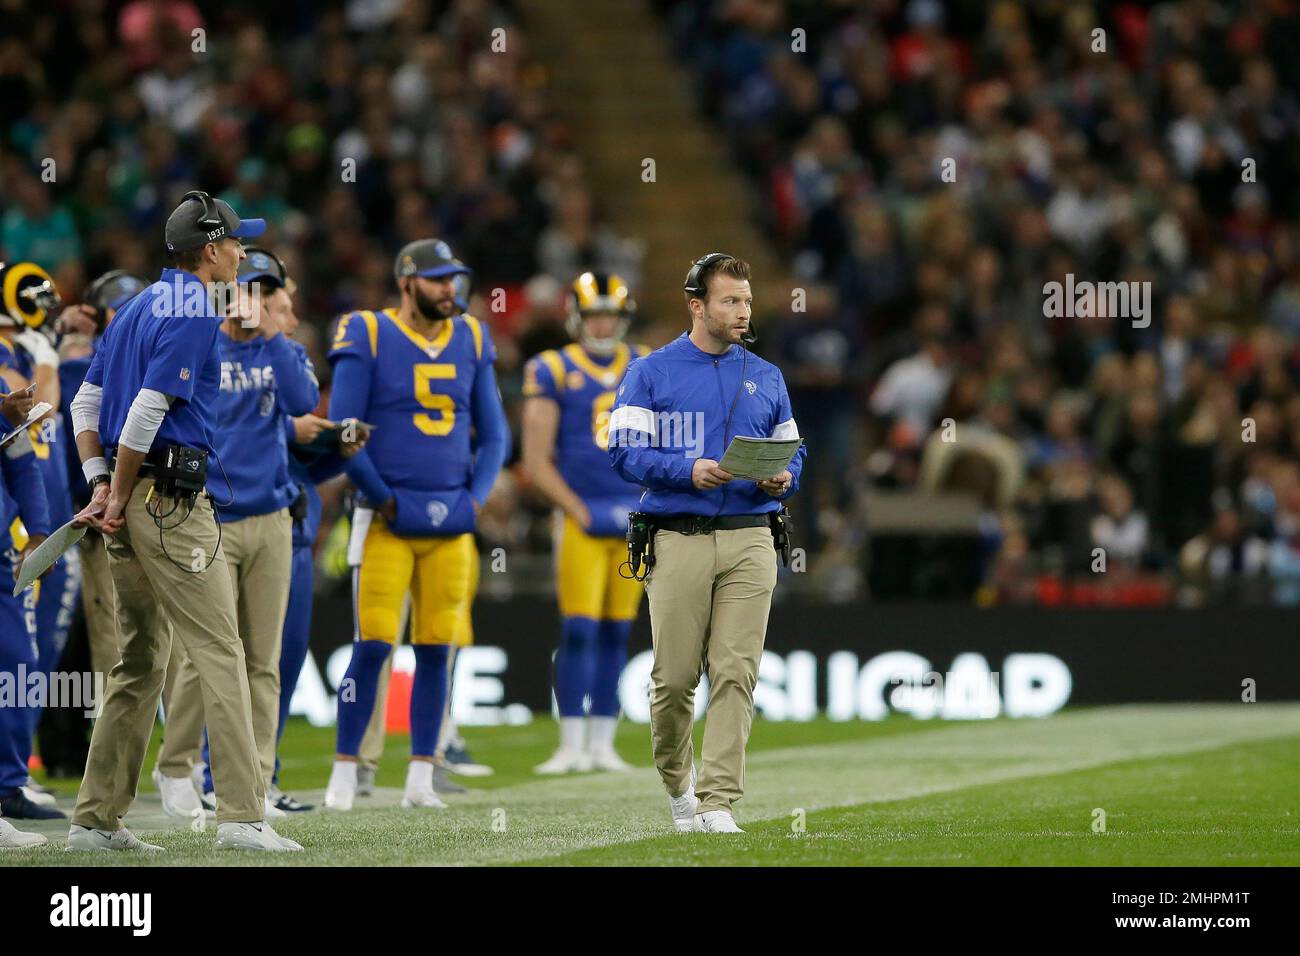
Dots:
(586, 576)
(438, 573)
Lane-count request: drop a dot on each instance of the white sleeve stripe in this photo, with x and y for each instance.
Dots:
(632, 418)
(787, 429)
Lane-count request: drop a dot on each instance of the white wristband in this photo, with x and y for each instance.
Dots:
(94, 468)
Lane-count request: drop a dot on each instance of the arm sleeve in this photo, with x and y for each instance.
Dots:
(85, 409)
(786, 428)
(326, 467)
(493, 433)
(22, 478)
(295, 380)
(321, 466)
(350, 398)
(143, 419)
(632, 437)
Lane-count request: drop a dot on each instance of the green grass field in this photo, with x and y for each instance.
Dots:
(1179, 785)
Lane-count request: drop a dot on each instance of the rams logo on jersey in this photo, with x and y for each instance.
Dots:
(437, 512)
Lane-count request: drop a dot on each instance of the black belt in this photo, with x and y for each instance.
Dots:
(707, 524)
(151, 460)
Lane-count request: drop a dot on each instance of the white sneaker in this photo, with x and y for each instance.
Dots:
(565, 760)
(683, 807)
(607, 759)
(38, 794)
(365, 780)
(342, 789)
(11, 838)
(85, 838)
(291, 845)
(252, 836)
(419, 787)
(271, 809)
(415, 799)
(178, 796)
(196, 776)
(717, 821)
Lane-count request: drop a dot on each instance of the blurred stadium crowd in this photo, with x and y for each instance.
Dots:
(1171, 446)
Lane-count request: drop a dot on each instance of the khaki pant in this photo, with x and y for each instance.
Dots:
(259, 555)
(97, 601)
(710, 595)
(151, 593)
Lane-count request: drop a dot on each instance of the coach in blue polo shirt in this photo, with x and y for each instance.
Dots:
(147, 400)
(263, 377)
(710, 588)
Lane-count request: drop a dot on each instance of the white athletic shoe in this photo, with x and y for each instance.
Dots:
(419, 787)
(342, 789)
(253, 836)
(607, 759)
(178, 796)
(717, 821)
(365, 780)
(271, 809)
(416, 799)
(11, 838)
(565, 760)
(38, 794)
(85, 838)
(683, 808)
(196, 777)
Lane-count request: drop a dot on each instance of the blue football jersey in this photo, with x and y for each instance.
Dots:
(420, 394)
(585, 388)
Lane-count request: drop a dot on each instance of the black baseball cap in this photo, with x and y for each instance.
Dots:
(430, 258)
(201, 219)
(114, 289)
(261, 265)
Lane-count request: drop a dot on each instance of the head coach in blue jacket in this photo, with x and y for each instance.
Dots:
(710, 588)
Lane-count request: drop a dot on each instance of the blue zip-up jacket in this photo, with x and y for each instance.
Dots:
(672, 409)
(309, 465)
(261, 381)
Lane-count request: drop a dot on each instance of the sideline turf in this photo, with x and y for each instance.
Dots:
(1195, 784)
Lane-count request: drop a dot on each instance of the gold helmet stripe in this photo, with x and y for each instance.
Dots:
(13, 307)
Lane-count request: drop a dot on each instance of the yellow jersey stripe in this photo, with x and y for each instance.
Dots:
(372, 331)
(556, 365)
(437, 344)
(578, 356)
(476, 329)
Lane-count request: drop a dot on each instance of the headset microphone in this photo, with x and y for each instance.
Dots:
(749, 336)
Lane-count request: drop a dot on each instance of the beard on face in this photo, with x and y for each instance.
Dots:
(720, 328)
(430, 307)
